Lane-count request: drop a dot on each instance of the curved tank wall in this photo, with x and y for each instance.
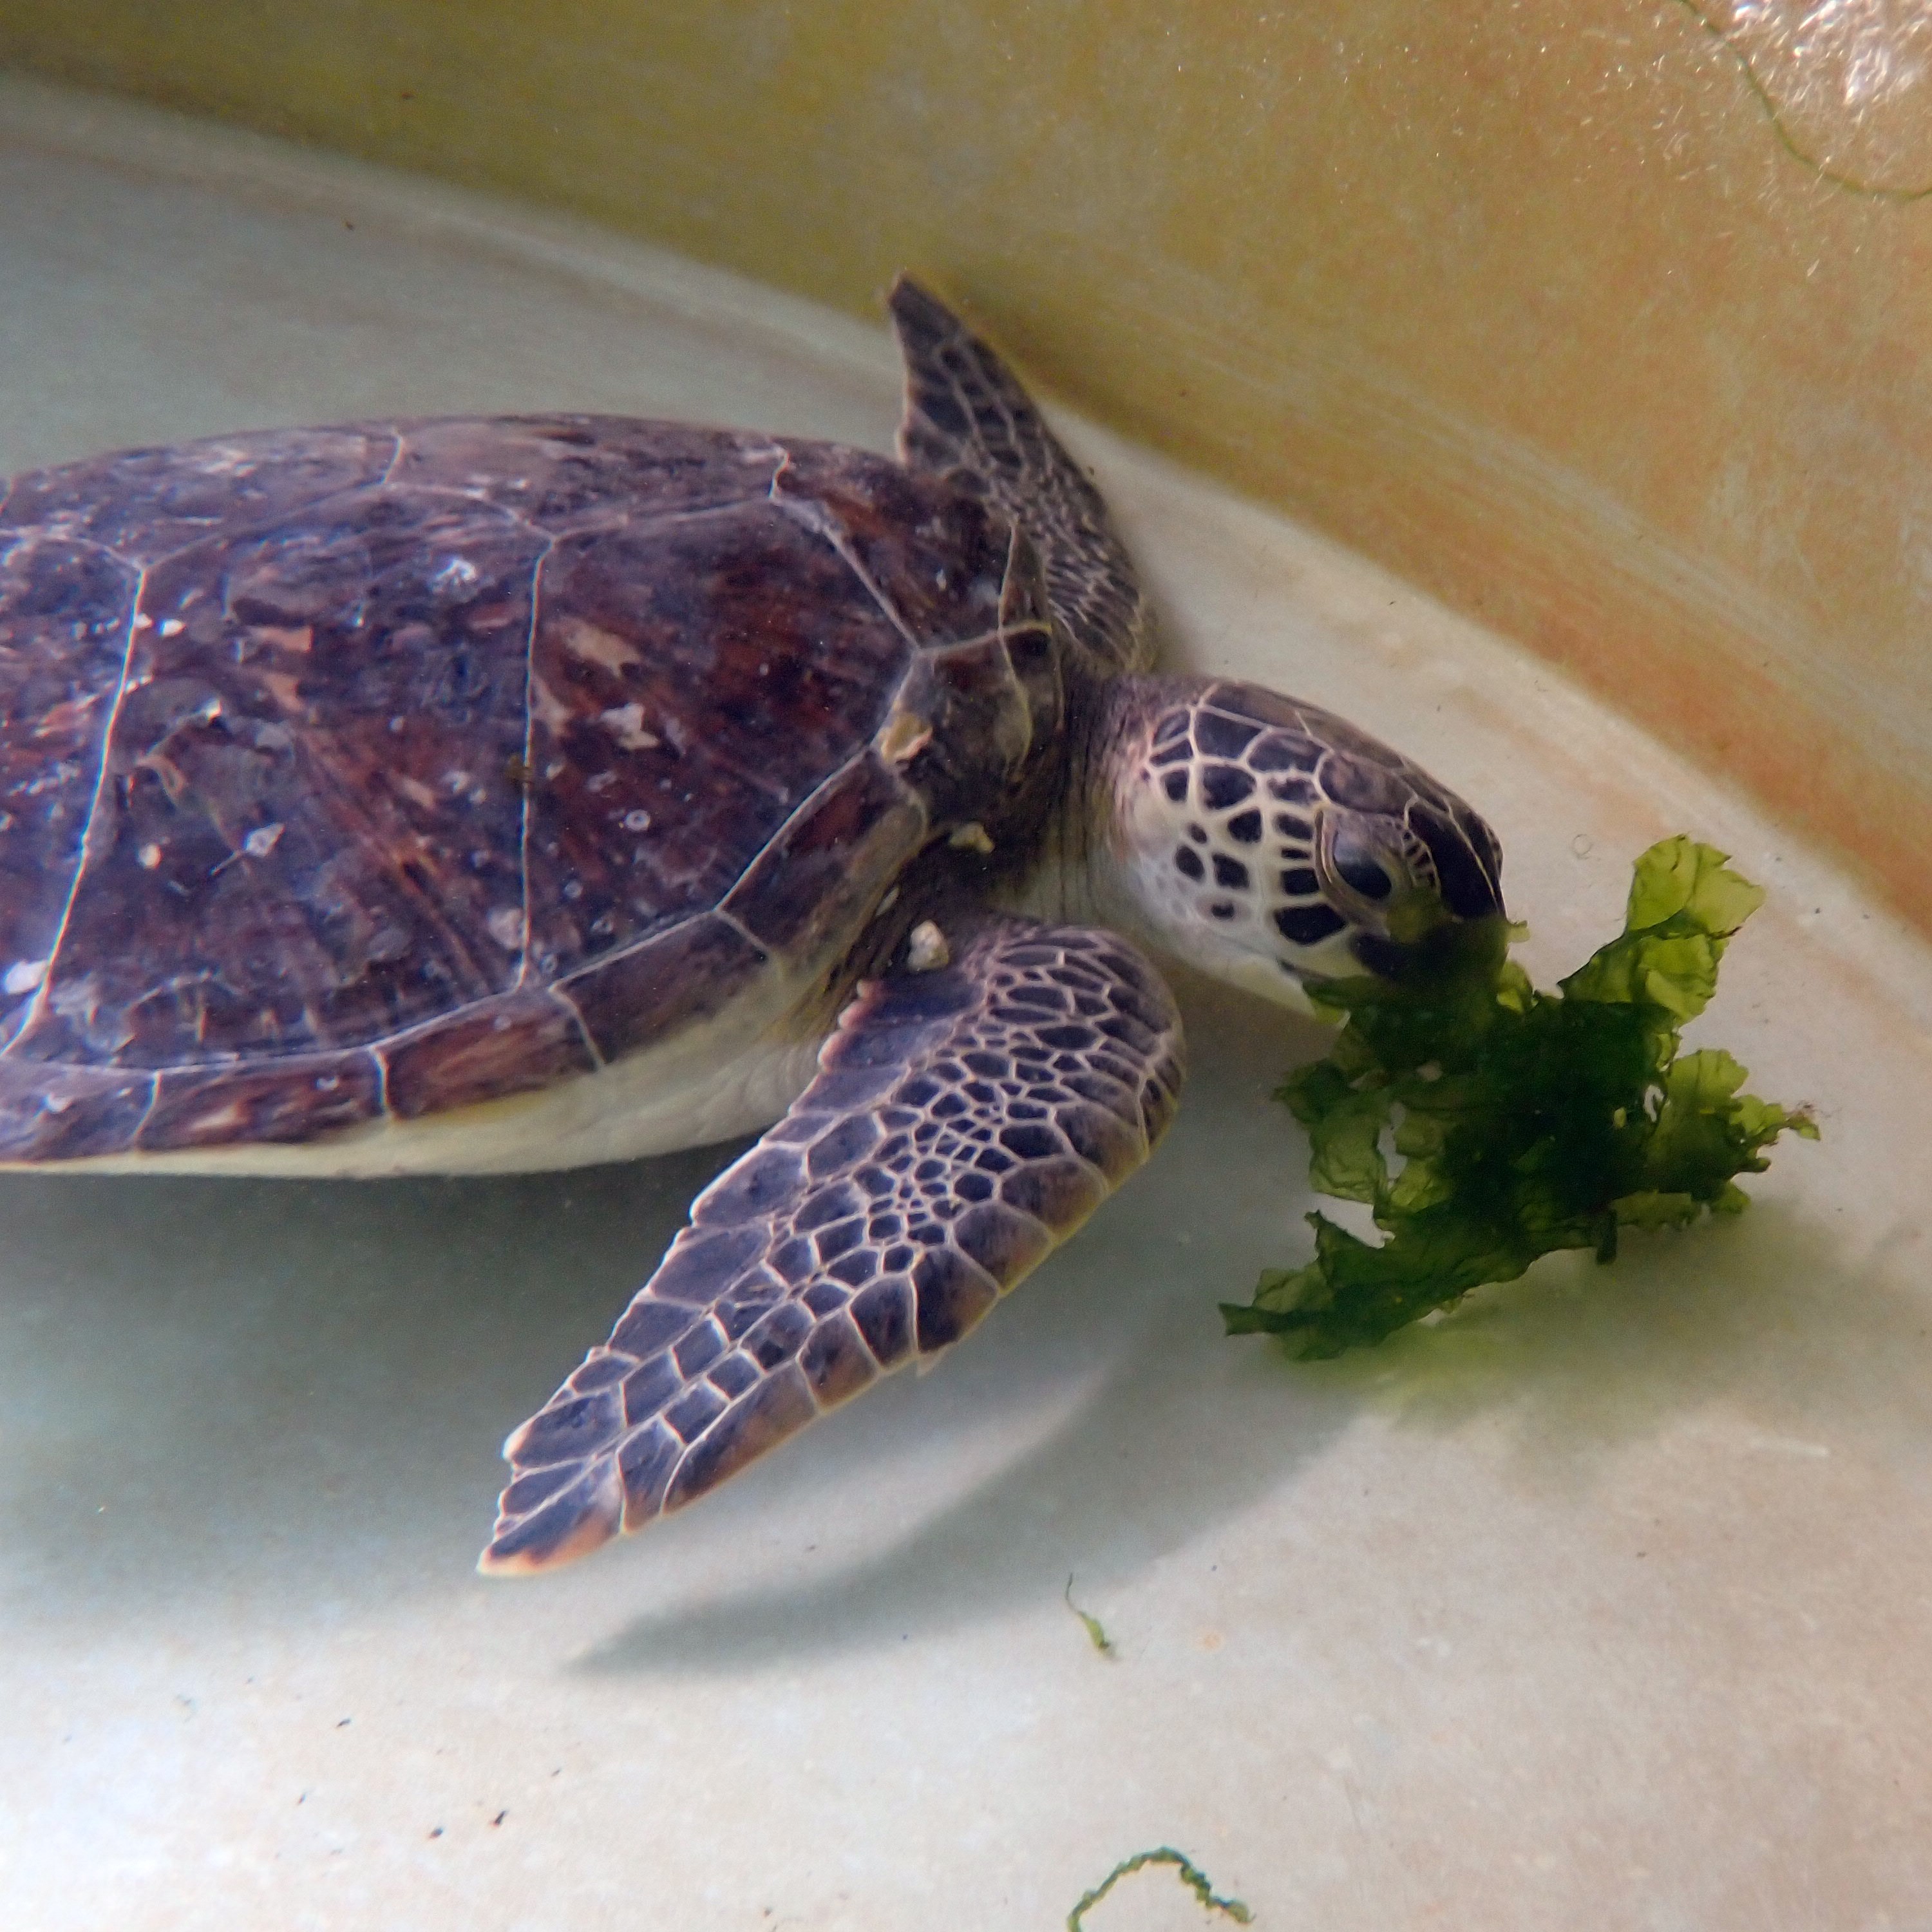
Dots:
(1601, 1604)
(1603, 323)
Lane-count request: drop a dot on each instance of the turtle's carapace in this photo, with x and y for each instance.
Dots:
(463, 795)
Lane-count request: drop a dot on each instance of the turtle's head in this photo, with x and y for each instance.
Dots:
(1269, 843)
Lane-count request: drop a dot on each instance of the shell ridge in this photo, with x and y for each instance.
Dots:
(731, 920)
(998, 635)
(147, 1111)
(812, 517)
(39, 1006)
(529, 752)
(630, 950)
(39, 533)
(402, 1036)
(601, 523)
(512, 518)
(559, 997)
(800, 814)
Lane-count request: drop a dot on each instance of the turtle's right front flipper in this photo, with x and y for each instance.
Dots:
(965, 1119)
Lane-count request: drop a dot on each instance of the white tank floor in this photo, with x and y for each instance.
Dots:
(1604, 1606)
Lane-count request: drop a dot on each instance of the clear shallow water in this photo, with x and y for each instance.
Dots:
(1600, 1605)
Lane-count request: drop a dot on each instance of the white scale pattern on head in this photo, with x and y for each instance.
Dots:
(1224, 827)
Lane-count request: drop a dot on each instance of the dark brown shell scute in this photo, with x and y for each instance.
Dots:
(266, 1100)
(685, 976)
(390, 768)
(82, 1111)
(307, 825)
(800, 888)
(65, 610)
(937, 557)
(559, 471)
(141, 504)
(692, 683)
(514, 1045)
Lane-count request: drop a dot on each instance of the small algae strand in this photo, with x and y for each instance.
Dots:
(1189, 1874)
(1096, 1631)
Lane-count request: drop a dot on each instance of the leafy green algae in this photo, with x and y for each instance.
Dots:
(1525, 1121)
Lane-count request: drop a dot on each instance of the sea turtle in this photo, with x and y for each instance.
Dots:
(459, 796)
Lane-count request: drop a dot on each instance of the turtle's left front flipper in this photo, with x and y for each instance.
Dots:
(964, 1119)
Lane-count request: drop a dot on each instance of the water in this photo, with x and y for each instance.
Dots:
(1594, 1607)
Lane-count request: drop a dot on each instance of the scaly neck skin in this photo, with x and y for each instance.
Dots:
(1081, 876)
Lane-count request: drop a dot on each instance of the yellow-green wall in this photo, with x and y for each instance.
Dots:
(1606, 326)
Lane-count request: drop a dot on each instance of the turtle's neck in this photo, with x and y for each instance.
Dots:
(1076, 877)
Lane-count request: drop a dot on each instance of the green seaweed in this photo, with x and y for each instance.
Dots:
(1190, 1875)
(1525, 1121)
(1096, 1631)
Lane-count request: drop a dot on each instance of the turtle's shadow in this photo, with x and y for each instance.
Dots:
(1761, 1316)
(1176, 1429)
(292, 1394)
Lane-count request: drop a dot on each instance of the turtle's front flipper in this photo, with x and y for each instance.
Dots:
(964, 1119)
(966, 418)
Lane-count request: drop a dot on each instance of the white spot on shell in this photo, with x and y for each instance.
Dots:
(637, 820)
(457, 781)
(926, 947)
(602, 782)
(506, 928)
(172, 627)
(594, 645)
(260, 842)
(150, 857)
(625, 723)
(458, 573)
(25, 975)
(547, 708)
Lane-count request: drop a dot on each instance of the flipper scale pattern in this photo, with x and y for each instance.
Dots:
(964, 1119)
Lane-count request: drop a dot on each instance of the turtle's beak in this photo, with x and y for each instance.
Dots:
(1467, 859)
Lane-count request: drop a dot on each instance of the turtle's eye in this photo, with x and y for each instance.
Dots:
(1362, 872)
